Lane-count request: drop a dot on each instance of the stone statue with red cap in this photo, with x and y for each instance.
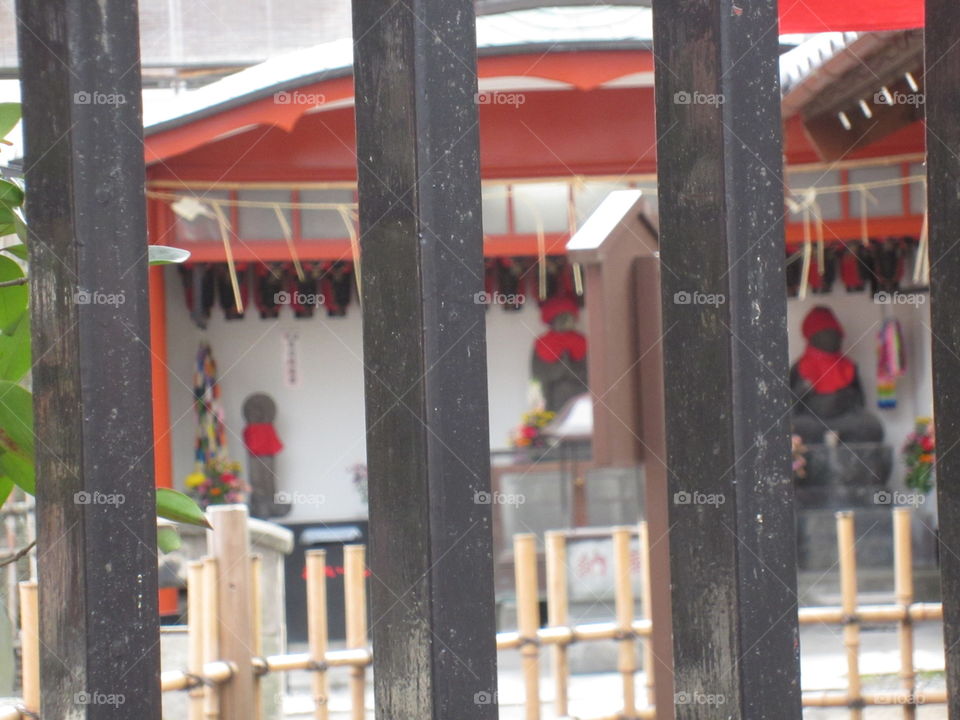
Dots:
(560, 354)
(826, 387)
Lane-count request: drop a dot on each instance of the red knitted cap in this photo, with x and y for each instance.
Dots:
(820, 318)
(558, 306)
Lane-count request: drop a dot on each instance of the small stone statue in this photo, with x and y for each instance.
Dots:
(826, 387)
(560, 355)
(260, 438)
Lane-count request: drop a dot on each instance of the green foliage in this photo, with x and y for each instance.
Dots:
(168, 539)
(163, 255)
(16, 402)
(174, 505)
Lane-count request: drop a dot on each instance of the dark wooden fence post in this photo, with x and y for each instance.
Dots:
(941, 83)
(96, 504)
(732, 537)
(432, 613)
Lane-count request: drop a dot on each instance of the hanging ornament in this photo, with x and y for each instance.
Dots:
(225, 290)
(215, 479)
(891, 362)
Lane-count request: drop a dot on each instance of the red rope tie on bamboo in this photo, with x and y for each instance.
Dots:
(317, 666)
(851, 619)
(621, 634)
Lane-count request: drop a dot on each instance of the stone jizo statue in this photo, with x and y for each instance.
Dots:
(826, 387)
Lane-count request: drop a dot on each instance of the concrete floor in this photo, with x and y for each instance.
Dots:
(823, 667)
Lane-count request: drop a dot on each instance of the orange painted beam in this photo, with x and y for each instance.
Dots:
(848, 230)
(162, 446)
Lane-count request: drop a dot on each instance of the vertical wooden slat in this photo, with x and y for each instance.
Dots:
(846, 543)
(727, 402)
(425, 355)
(623, 588)
(528, 619)
(30, 645)
(317, 629)
(211, 634)
(195, 638)
(256, 613)
(558, 613)
(646, 601)
(229, 543)
(355, 592)
(903, 580)
(942, 108)
(659, 646)
(84, 165)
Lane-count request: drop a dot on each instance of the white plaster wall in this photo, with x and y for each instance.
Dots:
(861, 318)
(321, 422)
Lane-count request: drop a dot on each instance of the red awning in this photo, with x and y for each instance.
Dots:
(814, 16)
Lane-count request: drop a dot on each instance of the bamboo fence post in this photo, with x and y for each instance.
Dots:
(903, 582)
(646, 602)
(229, 542)
(627, 663)
(210, 627)
(356, 621)
(317, 629)
(195, 638)
(256, 607)
(846, 544)
(528, 618)
(558, 613)
(30, 645)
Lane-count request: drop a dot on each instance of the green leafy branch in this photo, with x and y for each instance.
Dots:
(17, 467)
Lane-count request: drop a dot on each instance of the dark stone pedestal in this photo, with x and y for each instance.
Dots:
(844, 476)
(853, 476)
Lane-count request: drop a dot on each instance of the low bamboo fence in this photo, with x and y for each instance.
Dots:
(211, 676)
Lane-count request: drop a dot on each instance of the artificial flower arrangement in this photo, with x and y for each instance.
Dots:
(919, 455)
(218, 483)
(530, 432)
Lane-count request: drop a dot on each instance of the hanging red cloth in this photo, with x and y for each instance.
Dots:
(553, 345)
(827, 372)
(261, 439)
(817, 16)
